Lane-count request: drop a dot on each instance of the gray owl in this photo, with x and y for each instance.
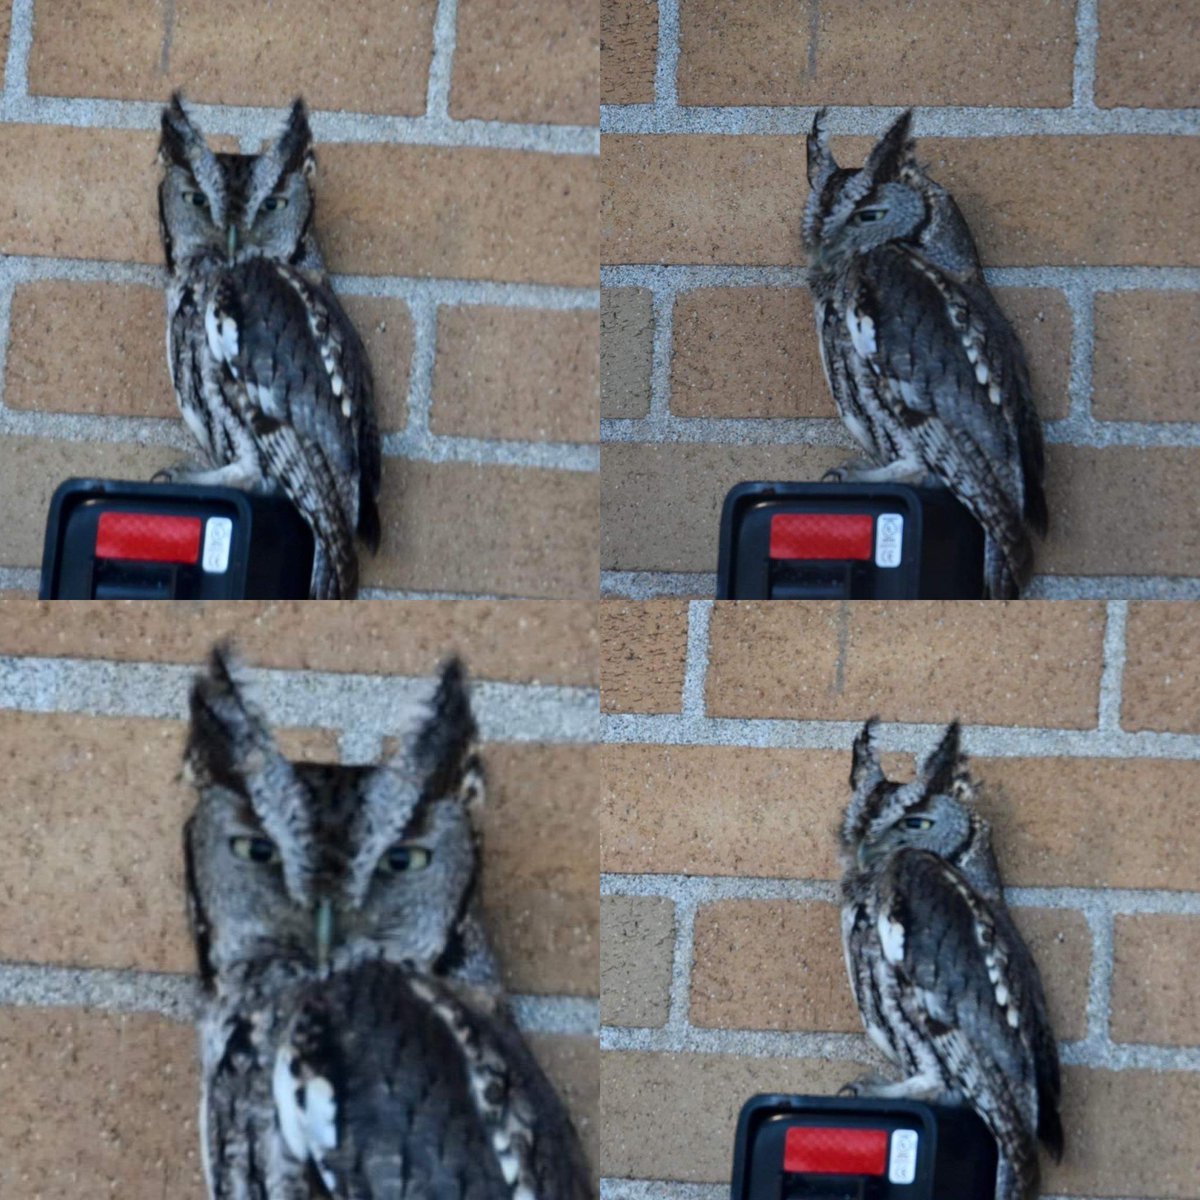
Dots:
(926, 372)
(269, 373)
(355, 1040)
(946, 987)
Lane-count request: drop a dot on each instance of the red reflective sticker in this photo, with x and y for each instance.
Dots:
(148, 537)
(825, 1151)
(822, 535)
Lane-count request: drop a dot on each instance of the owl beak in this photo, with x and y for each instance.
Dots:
(231, 241)
(324, 919)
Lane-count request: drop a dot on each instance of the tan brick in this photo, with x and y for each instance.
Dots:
(1129, 1133)
(541, 866)
(626, 351)
(770, 965)
(672, 1116)
(501, 530)
(1057, 822)
(527, 62)
(521, 641)
(778, 965)
(637, 945)
(1161, 684)
(516, 373)
(661, 504)
(628, 51)
(89, 348)
(470, 213)
(374, 55)
(93, 871)
(926, 661)
(1145, 366)
(386, 328)
(722, 810)
(573, 1065)
(752, 352)
(880, 52)
(5, 13)
(467, 214)
(1154, 967)
(126, 1126)
(1122, 510)
(643, 647)
(699, 198)
(1144, 57)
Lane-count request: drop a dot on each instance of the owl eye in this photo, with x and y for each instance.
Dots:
(199, 199)
(869, 214)
(404, 857)
(918, 823)
(259, 850)
(274, 203)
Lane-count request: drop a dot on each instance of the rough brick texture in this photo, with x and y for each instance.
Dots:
(1162, 675)
(637, 937)
(643, 647)
(527, 62)
(628, 44)
(1153, 1000)
(1144, 54)
(626, 333)
(929, 52)
(511, 373)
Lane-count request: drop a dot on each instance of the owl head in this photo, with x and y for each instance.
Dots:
(890, 199)
(324, 866)
(934, 812)
(236, 205)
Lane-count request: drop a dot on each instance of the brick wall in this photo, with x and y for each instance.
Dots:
(1067, 131)
(97, 1053)
(727, 730)
(456, 207)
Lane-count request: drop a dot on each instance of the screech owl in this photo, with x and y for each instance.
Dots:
(925, 370)
(355, 1038)
(946, 986)
(270, 375)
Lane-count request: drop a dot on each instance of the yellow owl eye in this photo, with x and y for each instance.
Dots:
(918, 823)
(258, 850)
(273, 203)
(869, 214)
(405, 857)
(199, 199)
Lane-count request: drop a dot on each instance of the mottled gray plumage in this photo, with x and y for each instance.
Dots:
(269, 373)
(355, 1038)
(926, 372)
(946, 986)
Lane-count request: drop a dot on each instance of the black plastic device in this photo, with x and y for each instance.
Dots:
(841, 1148)
(108, 539)
(851, 541)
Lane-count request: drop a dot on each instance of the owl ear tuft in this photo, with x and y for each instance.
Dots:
(893, 151)
(294, 147)
(181, 141)
(443, 749)
(946, 765)
(821, 163)
(865, 771)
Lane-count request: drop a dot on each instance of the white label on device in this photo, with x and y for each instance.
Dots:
(902, 1162)
(889, 539)
(218, 537)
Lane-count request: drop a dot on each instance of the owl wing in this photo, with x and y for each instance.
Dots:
(396, 1090)
(951, 372)
(974, 992)
(291, 365)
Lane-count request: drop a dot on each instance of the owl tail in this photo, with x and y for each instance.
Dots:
(1017, 1181)
(1006, 568)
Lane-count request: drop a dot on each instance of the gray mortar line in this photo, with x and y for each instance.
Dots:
(1112, 675)
(360, 747)
(662, 349)
(956, 121)
(1087, 36)
(376, 593)
(441, 66)
(696, 660)
(666, 64)
(1081, 302)
(20, 41)
(6, 297)
(178, 996)
(20, 579)
(508, 712)
(1100, 977)
(991, 741)
(682, 952)
(647, 585)
(660, 1189)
